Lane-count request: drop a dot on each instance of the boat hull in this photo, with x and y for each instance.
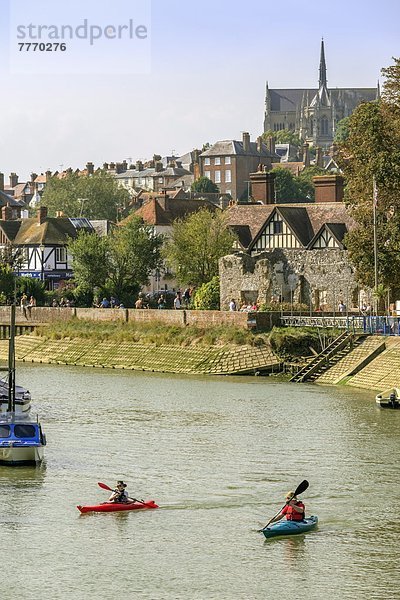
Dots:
(389, 399)
(21, 456)
(290, 527)
(117, 507)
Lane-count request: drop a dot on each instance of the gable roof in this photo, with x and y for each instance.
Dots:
(153, 213)
(52, 231)
(10, 228)
(305, 220)
(337, 230)
(233, 147)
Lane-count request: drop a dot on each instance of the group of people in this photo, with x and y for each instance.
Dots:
(244, 307)
(27, 304)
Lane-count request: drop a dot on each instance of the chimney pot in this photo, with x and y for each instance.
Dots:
(41, 214)
(246, 141)
(13, 180)
(6, 213)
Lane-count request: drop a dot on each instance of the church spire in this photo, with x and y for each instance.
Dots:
(322, 66)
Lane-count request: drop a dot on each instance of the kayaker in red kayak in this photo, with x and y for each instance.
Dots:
(120, 494)
(294, 510)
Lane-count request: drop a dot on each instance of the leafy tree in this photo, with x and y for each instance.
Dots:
(96, 196)
(372, 153)
(90, 260)
(196, 245)
(207, 296)
(284, 136)
(118, 264)
(134, 252)
(204, 185)
(342, 131)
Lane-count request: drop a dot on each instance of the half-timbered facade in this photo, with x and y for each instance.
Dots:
(43, 244)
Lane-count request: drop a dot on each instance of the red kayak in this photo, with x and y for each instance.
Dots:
(117, 506)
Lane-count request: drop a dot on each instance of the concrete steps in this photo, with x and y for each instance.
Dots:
(383, 372)
(351, 362)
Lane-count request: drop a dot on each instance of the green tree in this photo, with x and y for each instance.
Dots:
(284, 136)
(134, 252)
(342, 131)
(207, 296)
(204, 185)
(372, 153)
(196, 245)
(118, 264)
(90, 260)
(96, 196)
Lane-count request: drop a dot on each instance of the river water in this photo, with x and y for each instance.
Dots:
(218, 455)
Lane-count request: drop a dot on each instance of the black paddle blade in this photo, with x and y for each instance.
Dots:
(301, 487)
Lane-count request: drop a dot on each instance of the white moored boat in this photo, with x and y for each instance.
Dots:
(22, 440)
(389, 399)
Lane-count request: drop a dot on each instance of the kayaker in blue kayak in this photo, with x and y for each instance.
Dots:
(294, 509)
(120, 494)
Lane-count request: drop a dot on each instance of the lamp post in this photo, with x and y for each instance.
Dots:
(42, 248)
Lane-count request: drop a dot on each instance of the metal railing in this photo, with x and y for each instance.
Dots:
(363, 324)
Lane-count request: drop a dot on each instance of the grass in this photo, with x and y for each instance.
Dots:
(154, 333)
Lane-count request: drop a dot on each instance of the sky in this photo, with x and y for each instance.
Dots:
(198, 76)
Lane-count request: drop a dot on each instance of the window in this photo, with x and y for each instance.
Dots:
(207, 174)
(61, 255)
(278, 226)
(217, 160)
(227, 160)
(324, 126)
(228, 192)
(207, 161)
(24, 431)
(217, 176)
(4, 431)
(228, 176)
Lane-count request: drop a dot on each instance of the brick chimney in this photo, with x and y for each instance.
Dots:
(263, 187)
(271, 144)
(124, 165)
(319, 161)
(139, 165)
(13, 180)
(6, 213)
(328, 188)
(33, 177)
(163, 200)
(2, 182)
(259, 144)
(90, 168)
(306, 155)
(246, 142)
(118, 168)
(158, 167)
(112, 166)
(105, 166)
(41, 214)
(48, 175)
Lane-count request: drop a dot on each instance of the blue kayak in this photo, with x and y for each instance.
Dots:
(290, 527)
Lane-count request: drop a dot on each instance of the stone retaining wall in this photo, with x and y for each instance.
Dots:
(211, 360)
(201, 318)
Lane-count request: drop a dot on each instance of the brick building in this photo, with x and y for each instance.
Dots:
(228, 163)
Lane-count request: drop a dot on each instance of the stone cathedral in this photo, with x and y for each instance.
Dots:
(313, 114)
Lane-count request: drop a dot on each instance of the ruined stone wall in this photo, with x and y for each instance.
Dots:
(322, 278)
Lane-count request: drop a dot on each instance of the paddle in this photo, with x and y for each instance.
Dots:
(299, 490)
(106, 487)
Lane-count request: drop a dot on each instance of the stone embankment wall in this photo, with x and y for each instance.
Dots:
(200, 318)
(210, 360)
